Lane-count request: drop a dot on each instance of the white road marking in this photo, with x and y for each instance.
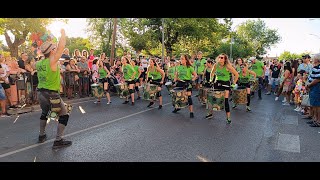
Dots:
(202, 159)
(16, 119)
(77, 132)
(82, 110)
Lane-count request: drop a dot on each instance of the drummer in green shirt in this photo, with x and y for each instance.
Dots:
(199, 65)
(185, 74)
(223, 69)
(129, 76)
(259, 68)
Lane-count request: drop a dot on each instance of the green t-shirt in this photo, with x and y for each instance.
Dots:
(136, 69)
(257, 68)
(184, 72)
(154, 74)
(222, 73)
(171, 72)
(102, 73)
(200, 66)
(47, 78)
(244, 78)
(127, 72)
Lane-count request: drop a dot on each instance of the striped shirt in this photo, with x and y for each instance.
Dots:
(315, 74)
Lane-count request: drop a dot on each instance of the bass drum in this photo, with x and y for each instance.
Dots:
(122, 90)
(239, 95)
(179, 97)
(97, 90)
(215, 100)
(150, 91)
(203, 95)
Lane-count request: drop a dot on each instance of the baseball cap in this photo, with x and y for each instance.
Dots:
(306, 56)
(46, 47)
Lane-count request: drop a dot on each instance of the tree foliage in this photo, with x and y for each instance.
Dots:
(78, 43)
(100, 30)
(16, 30)
(258, 35)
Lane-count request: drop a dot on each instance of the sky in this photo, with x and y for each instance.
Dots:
(295, 33)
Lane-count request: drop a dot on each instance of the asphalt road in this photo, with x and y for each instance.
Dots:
(125, 133)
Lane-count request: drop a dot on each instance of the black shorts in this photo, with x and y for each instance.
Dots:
(247, 85)
(222, 85)
(5, 86)
(186, 84)
(155, 82)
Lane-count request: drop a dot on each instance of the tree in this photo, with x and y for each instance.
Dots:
(258, 35)
(286, 55)
(16, 30)
(101, 33)
(78, 43)
(189, 31)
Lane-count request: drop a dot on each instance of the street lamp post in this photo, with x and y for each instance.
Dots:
(231, 42)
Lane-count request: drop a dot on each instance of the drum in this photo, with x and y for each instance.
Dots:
(122, 90)
(150, 91)
(239, 95)
(179, 98)
(203, 91)
(215, 100)
(169, 86)
(254, 85)
(97, 90)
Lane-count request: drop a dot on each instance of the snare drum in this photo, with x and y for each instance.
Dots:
(97, 90)
(150, 91)
(122, 90)
(254, 85)
(203, 91)
(239, 95)
(179, 98)
(215, 99)
(169, 86)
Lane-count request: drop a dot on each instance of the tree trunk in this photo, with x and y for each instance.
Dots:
(14, 46)
(113, 41)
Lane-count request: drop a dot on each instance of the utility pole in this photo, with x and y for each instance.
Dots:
(113, 41)
(162, 40)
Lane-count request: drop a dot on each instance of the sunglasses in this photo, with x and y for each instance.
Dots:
(221, 57)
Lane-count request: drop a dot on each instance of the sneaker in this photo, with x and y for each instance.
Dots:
(191, 115)
(126, 102)
(150, 104)
(234, 106)
(284, 100)
(109, 102)
(5, 115)
(209, 116)
(315, 124)
(61, 143)
(197, 95)
(276, 99)
(42, 138)
(97, 102)
(268, 93)
(160, 107)
(138, 97)
(299, 109)
(310, 122)
(176, 110)
(286, 104)
(275, 93)
(228, 121)
(248, 108)
(132, 103)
